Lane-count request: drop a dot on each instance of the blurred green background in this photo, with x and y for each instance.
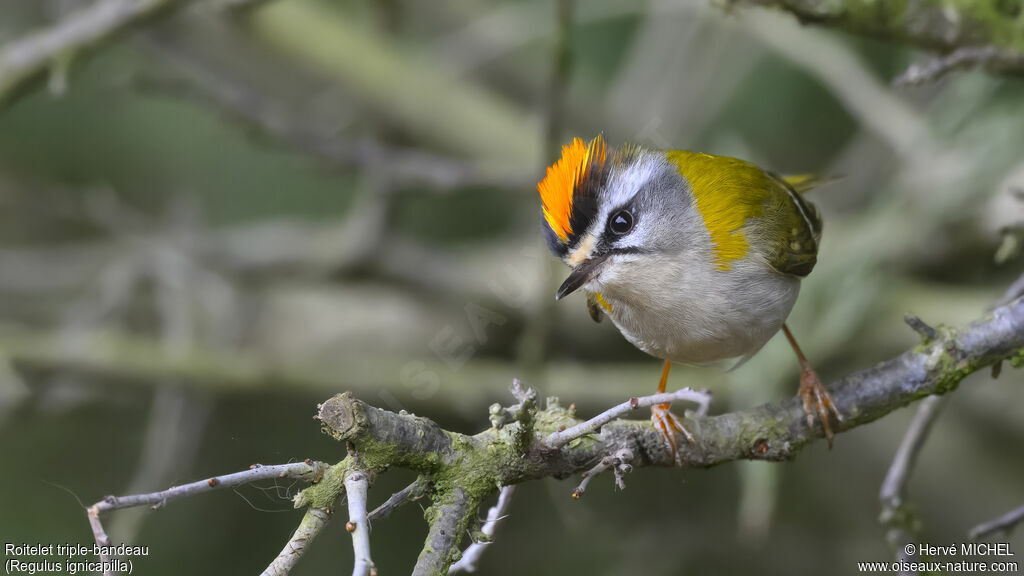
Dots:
(229, 215)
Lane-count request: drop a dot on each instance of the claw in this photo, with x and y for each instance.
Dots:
(668, 424)
(818, 402)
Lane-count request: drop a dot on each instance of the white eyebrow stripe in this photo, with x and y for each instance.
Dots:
(631, 180)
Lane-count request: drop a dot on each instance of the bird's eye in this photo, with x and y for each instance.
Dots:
(620, 222)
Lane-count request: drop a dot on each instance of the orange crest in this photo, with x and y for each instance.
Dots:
(563, 180)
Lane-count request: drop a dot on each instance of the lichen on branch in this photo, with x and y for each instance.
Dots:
(463, 470)
(942, 26)
(460, 471)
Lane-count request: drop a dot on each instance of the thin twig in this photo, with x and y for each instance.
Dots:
(311, 525)
(178, 417)
(471, 556)
(53, 48)
(1003, 524)
(968, 57)
(1016, 290)
(921, 327)
(522, 411)
(308, 470)
(559, 439)
(896, 517)
(413, 491)
(239, 104)
(533, 340)
(356, 485)
(561, 58)
(619, 464)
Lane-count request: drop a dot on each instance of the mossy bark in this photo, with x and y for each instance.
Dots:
(941, 25)
(463, 470)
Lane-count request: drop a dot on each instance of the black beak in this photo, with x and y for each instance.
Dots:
(581, 275)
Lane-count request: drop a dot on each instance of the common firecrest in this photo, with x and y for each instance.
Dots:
(695, 258)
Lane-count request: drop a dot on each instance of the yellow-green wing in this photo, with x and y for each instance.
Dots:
(746, 209)
(791, 227)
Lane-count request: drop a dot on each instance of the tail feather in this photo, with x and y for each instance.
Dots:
(802, 183)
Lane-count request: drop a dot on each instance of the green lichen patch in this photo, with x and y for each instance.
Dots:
(377, 456)
(1017, 360)
(555, 417)
(480, 468)
(325, 493)
(949, 368)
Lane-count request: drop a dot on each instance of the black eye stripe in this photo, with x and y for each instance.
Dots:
(620, 222)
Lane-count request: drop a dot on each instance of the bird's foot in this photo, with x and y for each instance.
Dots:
(668, 424)
(817, 402)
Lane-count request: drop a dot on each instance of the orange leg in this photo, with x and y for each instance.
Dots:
(817, 401)
(667, 423)
(663, 383)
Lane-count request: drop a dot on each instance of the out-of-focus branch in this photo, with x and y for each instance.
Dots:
(934, 68)
(178, 416)
(839, 69)
(416, 92)
(989, 29)
(1016, 290)
(54, 48)
(1003, 524)
(254, 111)
(533, 341)
(897, 516)
(133, 358)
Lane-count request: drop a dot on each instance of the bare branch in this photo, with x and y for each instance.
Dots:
(619, 463)
(53, 48)
(308, 470)
(923, 329)
(101, 538)
(413, 491)
(896, 515)
(1004, 524)
(356, 485)
(968, 57)
(972, 32)
(1016, 290)
(311, 525)
(559, 439)
(471, 556)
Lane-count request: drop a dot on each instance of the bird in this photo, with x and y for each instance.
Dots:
(695, 258)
